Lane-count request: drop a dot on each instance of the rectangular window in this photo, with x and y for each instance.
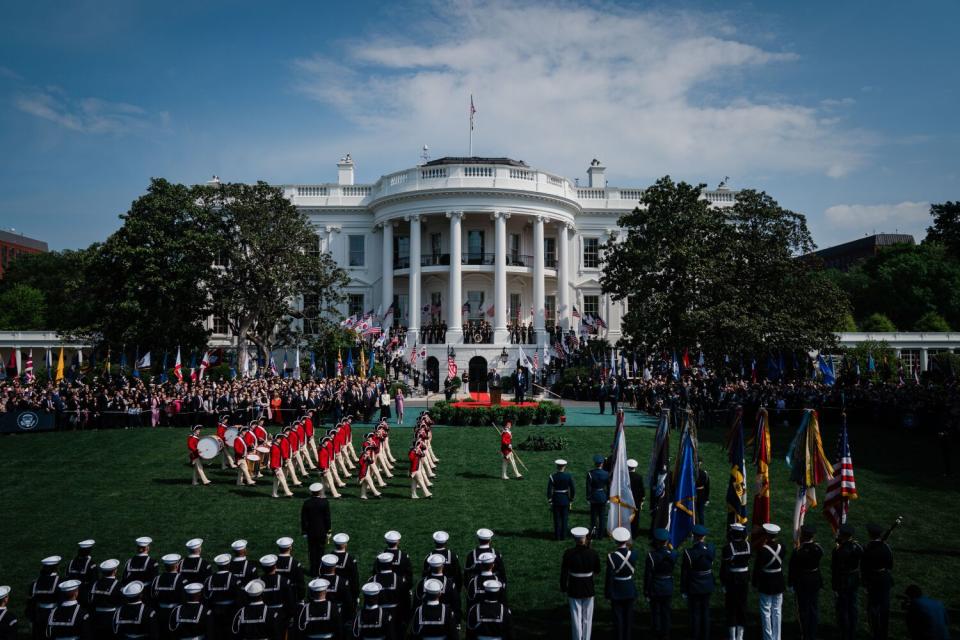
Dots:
(474, 247)
(550, 253)
(220, 326)
(591, 305)
(514, 248)
(218, 258)
(401, 252)
(355, 304)
(514, 313)
(313, 248)
(436, 305)
(357, 251)
(550, 310)
(475, 298)
(591, 253)
(435, 247)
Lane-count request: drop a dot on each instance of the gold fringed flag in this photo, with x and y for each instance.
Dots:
(736, 487)
(808, 467)
(761, 457)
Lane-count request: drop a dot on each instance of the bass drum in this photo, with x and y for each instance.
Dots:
(209, 447)
(229, 435)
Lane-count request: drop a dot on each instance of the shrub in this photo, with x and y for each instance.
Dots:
(508, 383)
(399, 385)
(525, 415)
(878, 322)
(440, 412)
(932, 321)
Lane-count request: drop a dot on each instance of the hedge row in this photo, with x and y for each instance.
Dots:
(544, 413)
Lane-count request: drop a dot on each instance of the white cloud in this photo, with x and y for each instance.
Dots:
(556, 84)
(88, 115)
(905, 217)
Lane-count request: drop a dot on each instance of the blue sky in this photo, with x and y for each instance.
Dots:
(846, 112)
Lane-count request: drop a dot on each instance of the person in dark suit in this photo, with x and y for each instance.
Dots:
(520, 385)
(703, 492)
(315, 524)
(636, 487)
(845, 579)
(560, 493)
(578, 571)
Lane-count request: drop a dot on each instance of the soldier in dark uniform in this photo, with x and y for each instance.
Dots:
(68, 619)
(134, 620)
(578, 572)
(803, 576)
(318, 618)
(400, 564)
(434, 619)
(276, 590)
(658, 582)
(9, 624)
(560, 494)
(490, 617)
(240, 566)
(486, 564)
(735, 578)
(315, 524)
(82, 567)
(338, 589)
(222, 592)
(373, 621)
(194, 568)
(103, 599)
(636, 488)
(484, 545)
(696, 581)
(43, 596)
(255, 620)
(620, 586)
(347, 566)
(392, 590)
(449, 593)
(166, 590)
(703, 492)
(769, 582)
(598, 482)
(141, 567)
(451, 563)
(845, 580)
(289, 567)
(192, 619)
(876, 566)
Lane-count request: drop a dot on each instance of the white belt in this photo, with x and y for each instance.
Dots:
(47, 606)
(581, 575)
(738, 569)
(322, 636)
(623, 577)
(195, 638)
(105, 609)
(771, 570)
(560, 490)
(489, 638)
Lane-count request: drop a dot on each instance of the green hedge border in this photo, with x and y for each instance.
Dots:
(545, 412)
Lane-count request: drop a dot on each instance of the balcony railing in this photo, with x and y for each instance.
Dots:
(479, 258)
(435, 260)
(550, 262)
(519, 260)
(401, 262)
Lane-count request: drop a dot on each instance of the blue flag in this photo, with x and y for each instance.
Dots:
(372, 359)
(349, 367)
(683, 512)
(871, 364)
(163, 370)
(313, 364)
(827, 371)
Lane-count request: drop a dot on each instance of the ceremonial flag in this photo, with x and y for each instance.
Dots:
(286, 366)
(296, 363)
(683, 510)
(350, 369)
(177, 367)
(59, 375)
(12, 367)
(388, 313)
(736, 486)
(123, 360)
(658, 478)
(675, 369)
(163, 368)
(622, 507)
(686, 359)
(491, 310)
(136, 359)
(524, 360)
(536, 360)
(465, 309)
(871, 364)
(451, 366)
(144, 362)
(842, 487)
(363, 363)
(600, 323)
(28, 370)
(48, 362)
(808, 467)
(204, 363)
(761, 457)
(339, 364)
(473, 112)
(3, 370)
(829, 378)
(575, 313)
(414, 354)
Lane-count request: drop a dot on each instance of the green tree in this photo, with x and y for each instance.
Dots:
(22, 308)
(877, 323)
(883, 358)
(61, 276)
(847, 323)
(946, 226)
(932, 321)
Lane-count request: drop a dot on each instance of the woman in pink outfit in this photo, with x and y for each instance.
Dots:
(398, 400)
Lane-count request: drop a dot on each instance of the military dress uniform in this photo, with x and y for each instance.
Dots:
(278, 596)
(696, 582)
(845, 580)
(136, 621)
(578, 571)
(166, 592)
(290, 568)
(141, 568)
(222, 593)
(876, 566)
(43, 599)
(256, 621)
(451, 564)
(489, 618)
(347, 568)
(735, 578)
(769, 582)
(192, 621)
(103, 600)
(9, 624)
(339, 592)
(373, 622)
(806, 581)
(318, 620)
(658, 586)
(598, 481)
(194, 568)
(433, 620)
(68, 620)
(83, 567)
(620, 586)
(560, 494)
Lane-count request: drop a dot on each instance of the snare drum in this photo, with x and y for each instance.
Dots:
(208, 447)
(252, 457)
(229, 435)
(263, 451)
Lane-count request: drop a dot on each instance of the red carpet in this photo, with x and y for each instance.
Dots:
(482, 399)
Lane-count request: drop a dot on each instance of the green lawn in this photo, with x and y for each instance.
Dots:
(116, 485)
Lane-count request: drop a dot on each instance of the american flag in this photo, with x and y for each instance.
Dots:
(842, 487)
(451, 367)
(372, 331)
(473, 112)
(536, 360)
(576, 314)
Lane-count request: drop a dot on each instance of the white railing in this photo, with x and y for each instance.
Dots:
(521, 174)
(355, 191)
(433, 172)
(592, 194)
(631, 194)
(311, 191)
(478, 172)
(398, 178)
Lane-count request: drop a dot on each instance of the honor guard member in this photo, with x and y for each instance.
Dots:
(703, 491)
(194, 568)
(373, 622)
(449, 595)
(318, 618)
(338, 589)
(451, 563)
(69, 620)
(43, 595)
(636, 488)
(134, 620)
(315, 525)
(475, 589)
(578, 572)
(166, 590)
(803, 576)
(394, 595)
(8, 622)
(240, 566)
(490, 617)
(485, 545)
(598, 481)
(347, 567)
(192, 620)
(845, 580)
(620, 587)
(289, 567)
(222, 592)
(276, 589)
(255, 620)
(400, 562)
(658, 583)
(433, 619)
(141, 567)
(506, 450)
(768, 580)
(925, 617)
(560, 493)
(735, 578)
(104, 598)
(876, 566)
(193, 440)
(696, 581)
(82, 567)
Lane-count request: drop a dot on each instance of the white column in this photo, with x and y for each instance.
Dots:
(500, 334)
(538, 294)
(387, 285)
(923, 359)
(563, 284)
(454, 296)
(413, 325)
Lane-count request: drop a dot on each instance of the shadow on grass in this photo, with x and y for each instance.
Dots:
(532, 534)
(253, 493)
(171, 481)
(471, 475)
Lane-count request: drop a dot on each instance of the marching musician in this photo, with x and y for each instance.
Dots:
(350, 452)
(327, 468)
(286, 451)
(240, 454)
(306, 453)
(417, 472)
(250, 439)
(365, 476)
(195, 460)
(310, 431)
(276, 467)
(506, 450)
(227, 460)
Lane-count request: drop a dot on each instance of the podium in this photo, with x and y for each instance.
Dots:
(495, 395)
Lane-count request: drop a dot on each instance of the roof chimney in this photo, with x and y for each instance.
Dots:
(595, 173)
(345, 170)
